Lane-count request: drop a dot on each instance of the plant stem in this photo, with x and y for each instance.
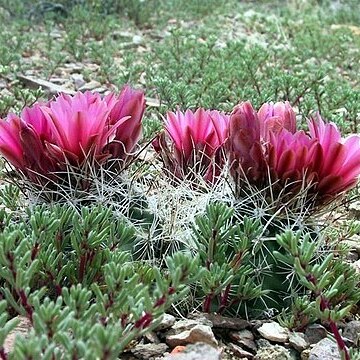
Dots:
(224, 299)
(3, 355)
(334, 329)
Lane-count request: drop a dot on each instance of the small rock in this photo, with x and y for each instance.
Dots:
(187, 324)
(354, 243)
(3, 84)
(239, 352)
(352, 331)
(224, 322)
(93, 84)
(315, 333)
(22, 329)
(262, 343)
(298, 341)
(122, 35)
(356, 266)
(56, 34)
(92, 67)
(151, 102)
(354, 210)
(146, 351)
(99, 90)
(58, 81)
(137, 39)
(198, 333)
(78, 80)
(325, 349)
(167, 322)
(152, 337)
(74, 67)
(197, 352)
(47, 86)
(244, 337)
(273, 352)
(274, 332)
(305, 354)
(352, 256)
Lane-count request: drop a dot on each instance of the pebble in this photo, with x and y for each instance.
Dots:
(244, 338)
(356, 266)
(137, 39)
(91, 85)
(78, 80)
(187, 324)
(47, 86)
(166, 322)
(198, 333)
(326, 349)
(352, 331)
(197, 351)
(224, 322)
(315, 333)
(273, 352)
(354, 210)
(354, 243)
(146, 351)
(239, 352)
(274, 332)
(298, 341)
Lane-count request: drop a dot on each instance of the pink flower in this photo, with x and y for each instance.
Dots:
(128, 108)
(244, 145)
(10, 142)
(79, 126)
(78, 130)
(338, 159)
(266, 146)
(196, 142)
(275, 117)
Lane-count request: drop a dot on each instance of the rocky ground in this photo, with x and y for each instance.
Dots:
(215, 337)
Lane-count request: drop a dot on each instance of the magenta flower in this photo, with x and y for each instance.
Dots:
(129, 106)
(80, 127)
(245, 146)
(266, 146)
(80, 130)
(196, 142)
(275, 117)
(337, 159)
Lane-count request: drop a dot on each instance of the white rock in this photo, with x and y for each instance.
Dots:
(167, 322)
(147, 351)
(137, 39)
(78, 80)
(93, 84)
(198, 351)
(326, 349)
(199, 333)
(298, 341)
(274, 332)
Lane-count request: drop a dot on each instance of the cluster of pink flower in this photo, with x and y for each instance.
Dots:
(261, 148)
(258, 146)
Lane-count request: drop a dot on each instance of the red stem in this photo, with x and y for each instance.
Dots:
(207, 303)
(3, 355)
(224, 299)
(334, 329)
(82, 265)
(324, 304)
